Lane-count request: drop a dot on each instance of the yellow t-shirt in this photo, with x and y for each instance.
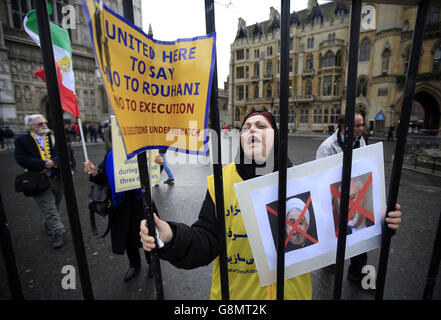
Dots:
(244, 283)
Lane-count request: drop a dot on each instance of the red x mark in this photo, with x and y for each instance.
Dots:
(355, 205)
(295, 226)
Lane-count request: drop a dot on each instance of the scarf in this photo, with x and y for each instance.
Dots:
(44, 148)
(248, 168)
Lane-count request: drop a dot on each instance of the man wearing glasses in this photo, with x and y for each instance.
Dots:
(333, 145)
(35, 151)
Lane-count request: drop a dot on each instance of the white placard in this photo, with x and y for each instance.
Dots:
(313, 190)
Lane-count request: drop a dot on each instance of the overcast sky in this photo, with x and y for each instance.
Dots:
(175, 19)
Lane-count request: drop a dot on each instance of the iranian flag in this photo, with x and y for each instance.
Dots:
(63, 57)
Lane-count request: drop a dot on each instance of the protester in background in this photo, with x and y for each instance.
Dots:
(198, 245)
(334, 145)
(93, 133)
(85, 132)
(126, 213)
(390, 133)
(71, 130)
(171, 179)
(100, 132)
(35, 151)
(9, 139)
(77, 132)
(330, 130)
(107, 135)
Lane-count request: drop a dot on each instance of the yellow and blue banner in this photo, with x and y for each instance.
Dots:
(159, 90)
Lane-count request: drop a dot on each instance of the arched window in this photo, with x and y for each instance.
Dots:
(329, 59)
(338, 59)
(337, 85)
(365, 50)
(326, 116)
(385, 61)
(269, 51)
(309, 62)
(327, 86)
(362, 87)
(269, 68)
(437, 60)
(317, 117)
(256, 92)
(335, 113)
(304, 115)
(308, 88)
(269, 91)
(291, 115)
(237, 114)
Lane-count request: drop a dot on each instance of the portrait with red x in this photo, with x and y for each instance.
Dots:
(360, 214)
(300, 231)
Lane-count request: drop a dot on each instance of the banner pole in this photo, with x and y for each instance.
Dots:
(83, 141)
(283, 147)
(217, 162)
(144, 178)
(148, 210)
(354, 39)
(9, 256)
(409, 90)
(61, 145)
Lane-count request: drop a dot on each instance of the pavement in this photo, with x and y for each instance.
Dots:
(40, 266)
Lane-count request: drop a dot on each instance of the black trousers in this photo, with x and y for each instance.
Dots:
(357, 263)
(135, 258)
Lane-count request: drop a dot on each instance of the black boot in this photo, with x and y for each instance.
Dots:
(130, 274)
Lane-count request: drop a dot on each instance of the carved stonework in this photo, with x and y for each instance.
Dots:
(27, 94)
(18, 93)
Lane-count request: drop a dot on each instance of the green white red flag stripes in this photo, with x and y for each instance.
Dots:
(63, 57)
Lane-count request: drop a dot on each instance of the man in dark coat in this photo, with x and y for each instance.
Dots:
(35, 151)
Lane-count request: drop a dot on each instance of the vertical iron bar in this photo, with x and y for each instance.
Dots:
(144, 179)
(148, 213)
(9, 256)
(434, 264)
(217, 162)
(283, 146)
(409, 90)
(50, 72)
(347, 152)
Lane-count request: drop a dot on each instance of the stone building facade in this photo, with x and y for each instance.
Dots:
(318, 61)
(20, 57)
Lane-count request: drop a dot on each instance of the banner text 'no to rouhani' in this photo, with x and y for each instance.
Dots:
(153, 72)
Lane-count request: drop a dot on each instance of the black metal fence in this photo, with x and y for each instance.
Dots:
(47, 52)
